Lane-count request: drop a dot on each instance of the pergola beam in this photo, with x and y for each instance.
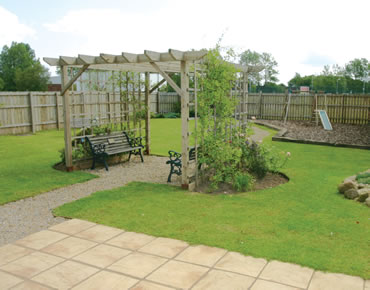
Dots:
(71, 81)
(169, 80)
(157, 85)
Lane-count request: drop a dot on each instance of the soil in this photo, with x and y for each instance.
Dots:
(341, 134)
(269, 181)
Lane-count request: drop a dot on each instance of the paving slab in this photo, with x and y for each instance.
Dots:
(289, 274)
(72, 227)
(12, 252)
(138, 264)
(202, 255)
(106, 280)
(323, 281)
(69, 247)
(164, 247)
(241, 264)
(220, 280)
(99, 233)
(268, 285)
(65, 275)
(32, 264)
(130, 240)
(29, 285)
(8, 280)
(144, 285)
(102, 256)
(178, 274)
(41, 239)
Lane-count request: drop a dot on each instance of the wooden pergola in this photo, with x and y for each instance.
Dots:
(173, 61)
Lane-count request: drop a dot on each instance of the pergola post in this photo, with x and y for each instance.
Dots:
(147, 115)
(245, 100)
(185, 123)
(67, 120)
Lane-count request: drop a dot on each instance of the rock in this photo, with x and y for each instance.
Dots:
(351, 193)
(367, 201)
(351, 178)
(343, 187)
(363, 194)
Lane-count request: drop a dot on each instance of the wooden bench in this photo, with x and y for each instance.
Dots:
(103, 146)
(176, 163)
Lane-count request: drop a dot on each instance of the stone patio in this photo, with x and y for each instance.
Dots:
(77, 254)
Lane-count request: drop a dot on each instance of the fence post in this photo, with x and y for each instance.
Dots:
(33, 125)
(158, 99)
(57, 110)
(260, 105)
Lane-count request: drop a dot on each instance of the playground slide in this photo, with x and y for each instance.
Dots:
(325, 120)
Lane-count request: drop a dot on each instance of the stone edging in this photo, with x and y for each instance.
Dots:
(279, 136)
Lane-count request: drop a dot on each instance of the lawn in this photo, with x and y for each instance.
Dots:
(26, 165)
(26, 161)
(304, 221)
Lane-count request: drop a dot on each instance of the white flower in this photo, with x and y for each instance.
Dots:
(288, 154)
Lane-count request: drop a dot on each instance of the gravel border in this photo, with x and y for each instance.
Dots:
(21, 218)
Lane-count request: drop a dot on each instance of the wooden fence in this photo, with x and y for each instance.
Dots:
(24, 112)
(350, 109)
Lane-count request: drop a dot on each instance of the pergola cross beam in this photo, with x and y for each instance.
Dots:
(169, 80)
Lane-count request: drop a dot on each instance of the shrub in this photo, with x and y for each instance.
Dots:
(78, 153)
(172, 115)
(363, 178)
(243, 182)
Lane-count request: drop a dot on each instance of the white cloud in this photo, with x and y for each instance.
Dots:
(12, 29)
(290, 30)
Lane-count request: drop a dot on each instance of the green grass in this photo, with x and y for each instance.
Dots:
(304, 221)
(26, 165)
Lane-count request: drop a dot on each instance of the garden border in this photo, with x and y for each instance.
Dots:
(279, 136)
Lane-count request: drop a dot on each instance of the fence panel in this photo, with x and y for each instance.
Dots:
(24, 112)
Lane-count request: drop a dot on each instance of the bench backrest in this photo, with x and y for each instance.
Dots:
(111, 141)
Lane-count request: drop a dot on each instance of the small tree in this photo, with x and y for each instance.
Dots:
(20, 70)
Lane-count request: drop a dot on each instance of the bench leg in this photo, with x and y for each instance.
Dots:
(141, 155)
(169, 176)
(93, 164)
(105, 164)
(129, 156)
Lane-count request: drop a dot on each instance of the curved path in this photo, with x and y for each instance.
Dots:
(26, 216)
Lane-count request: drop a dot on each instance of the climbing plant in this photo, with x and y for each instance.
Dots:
(218, 128)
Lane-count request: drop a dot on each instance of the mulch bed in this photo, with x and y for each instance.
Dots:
(341, 134)
(269, 181)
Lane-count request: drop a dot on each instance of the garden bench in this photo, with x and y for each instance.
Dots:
(176, 163)
(103, 146)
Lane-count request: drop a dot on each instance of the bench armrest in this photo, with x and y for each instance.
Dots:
(98, 148)
(174, 156)
(136, 142)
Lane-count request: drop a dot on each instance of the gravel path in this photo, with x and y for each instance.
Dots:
(21, 218)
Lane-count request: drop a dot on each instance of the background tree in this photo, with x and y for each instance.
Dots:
(20, 70)
(268, 76)
(357, 69)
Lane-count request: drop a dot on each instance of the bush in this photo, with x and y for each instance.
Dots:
(78, 153)
(253, 159)
(363, 178)
(260, 159)
(243, 182)
(172, 115)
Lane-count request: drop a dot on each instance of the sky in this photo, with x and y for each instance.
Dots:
(302, 36)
